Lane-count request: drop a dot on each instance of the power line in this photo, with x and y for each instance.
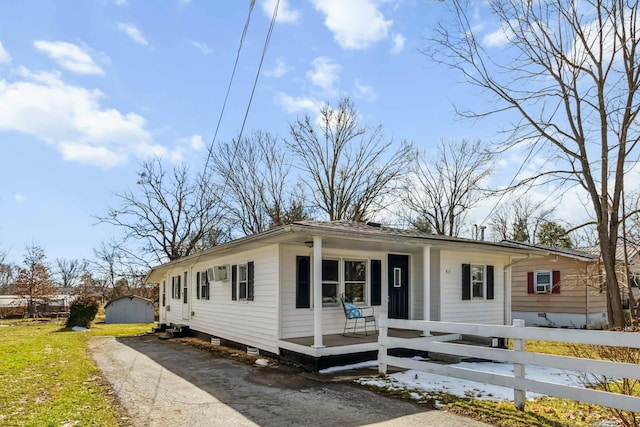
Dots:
(226, 97)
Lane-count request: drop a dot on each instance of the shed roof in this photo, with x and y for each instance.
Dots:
(130, 297)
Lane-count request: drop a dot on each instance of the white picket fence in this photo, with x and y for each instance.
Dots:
(518, 356)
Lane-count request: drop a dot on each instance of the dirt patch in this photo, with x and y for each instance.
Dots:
(225, 352)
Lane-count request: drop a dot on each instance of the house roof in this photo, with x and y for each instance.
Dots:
(632, 248)
(576, 253)
(347, 232)
(130, 297)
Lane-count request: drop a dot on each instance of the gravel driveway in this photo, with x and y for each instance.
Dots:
(165, 383)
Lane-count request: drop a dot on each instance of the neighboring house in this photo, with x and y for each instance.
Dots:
(129, 309)
(259, 290)
(563, 289)
(628, 279)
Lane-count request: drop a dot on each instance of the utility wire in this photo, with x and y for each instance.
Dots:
(226, 97)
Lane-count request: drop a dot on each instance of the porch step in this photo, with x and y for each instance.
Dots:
(175, 331)
(160, 328)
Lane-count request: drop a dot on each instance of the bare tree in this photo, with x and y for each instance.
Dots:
(347, 168)
(439, 192)
(170, 214)
(33, 280)
(520, 220)
(257, 183)
(7, 273)
(69, 271)
(568, 73)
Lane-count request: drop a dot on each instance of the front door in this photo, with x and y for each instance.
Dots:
(185, 297)
(398, 278)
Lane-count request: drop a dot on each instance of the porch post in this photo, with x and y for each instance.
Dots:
(317, 292)
(426, 286)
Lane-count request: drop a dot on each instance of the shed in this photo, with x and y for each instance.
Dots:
(129, 309)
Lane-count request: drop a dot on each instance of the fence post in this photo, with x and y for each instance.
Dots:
(382, 344)
(519, 396)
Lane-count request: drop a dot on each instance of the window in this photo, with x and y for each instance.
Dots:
(477, 281)
(242, 281)
(175, 287)
(202, 285)
(186, 289)
(355, 280)
(542, 281)
(330, 281)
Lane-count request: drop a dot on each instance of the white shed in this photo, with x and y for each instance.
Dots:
(129, 309)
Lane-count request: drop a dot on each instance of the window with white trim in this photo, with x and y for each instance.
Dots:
(202, 285)
(355, 280)
(330, 281)
(477, 281)
(542, 281)
(175, 287)
(242, 281)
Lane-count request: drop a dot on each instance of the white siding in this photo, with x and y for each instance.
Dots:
(453, 307)
(253, 323)
(298, 322)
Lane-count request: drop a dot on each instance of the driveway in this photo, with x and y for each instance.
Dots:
(165, 383)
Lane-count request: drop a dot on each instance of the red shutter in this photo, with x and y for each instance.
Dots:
(555, 288)
(530, 289)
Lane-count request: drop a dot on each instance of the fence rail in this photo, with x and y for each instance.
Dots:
(448, 331)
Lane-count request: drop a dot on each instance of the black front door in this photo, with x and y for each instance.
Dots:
(398, 286)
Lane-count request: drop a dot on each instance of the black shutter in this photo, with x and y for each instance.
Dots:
(234, 279)
(376, 282)
(250, 281)
(466, 281)
(198, 285)
(489, 281)
(303, 282)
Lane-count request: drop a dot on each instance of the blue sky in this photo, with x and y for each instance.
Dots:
(89, 89)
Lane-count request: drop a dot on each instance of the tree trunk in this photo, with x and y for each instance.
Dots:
(608, 249)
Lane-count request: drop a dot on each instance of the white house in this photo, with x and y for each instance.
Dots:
(129, 309)
(260, 290)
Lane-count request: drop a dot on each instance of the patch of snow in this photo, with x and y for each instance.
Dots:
(367, 364)
(425, 382)
(262, 362)
(79, 329)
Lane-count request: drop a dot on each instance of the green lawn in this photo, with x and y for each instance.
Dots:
(47, 377)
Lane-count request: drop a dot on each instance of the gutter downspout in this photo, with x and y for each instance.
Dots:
(586, 295)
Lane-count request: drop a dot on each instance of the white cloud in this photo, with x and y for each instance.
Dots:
(356, 24)
(325, 72)
(5, 58)
(69, 56)
(184, 3)
(285, 13)
(72, 119)
(202, 47)
(133, 32)
(398, 43)
(196, 143)
(293, 104)
(19, 198)
(120, 2)
(365, 92)
(499, 37)
(280, 69)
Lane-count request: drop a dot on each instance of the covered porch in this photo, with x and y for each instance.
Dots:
(338, 348)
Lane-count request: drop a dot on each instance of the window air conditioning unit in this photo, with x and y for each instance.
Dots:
(218, 273)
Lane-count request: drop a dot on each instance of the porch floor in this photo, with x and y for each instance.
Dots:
(339, 340)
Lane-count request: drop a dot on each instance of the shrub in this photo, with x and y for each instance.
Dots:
(82, 312)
